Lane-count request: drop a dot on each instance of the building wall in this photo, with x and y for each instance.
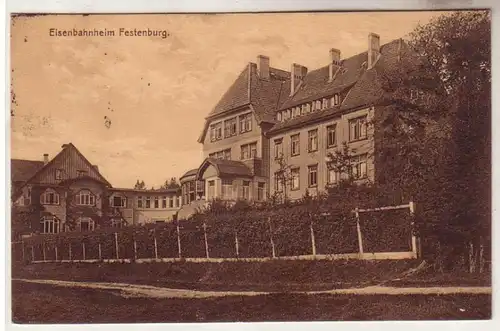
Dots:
(234, 142)
(136, 215)
(305, 158)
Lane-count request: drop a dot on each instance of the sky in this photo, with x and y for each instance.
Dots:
(156, 92)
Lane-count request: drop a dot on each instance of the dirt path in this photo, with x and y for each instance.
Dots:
(133, 290)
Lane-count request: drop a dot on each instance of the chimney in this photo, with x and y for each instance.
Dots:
(64, 146)
(263, 67)
(45, 158)
(373, 49)
(298, 73)
(334, 65)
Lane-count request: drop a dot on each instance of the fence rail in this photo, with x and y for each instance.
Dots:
(203, 244)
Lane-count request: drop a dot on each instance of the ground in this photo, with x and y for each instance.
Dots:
(45, 303)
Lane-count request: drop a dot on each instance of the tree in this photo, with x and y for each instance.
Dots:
(436, 134)
(284, 177)
(170, 184)
(140, 185)
(340, 162)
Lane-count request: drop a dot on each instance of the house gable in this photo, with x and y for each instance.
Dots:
(67, 165)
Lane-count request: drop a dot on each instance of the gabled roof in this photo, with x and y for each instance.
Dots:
(59, 156)
(262, 96)
(225, 168)
(362, 87)
(22, 170)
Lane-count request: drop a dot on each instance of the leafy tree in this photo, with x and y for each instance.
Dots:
(284, 177)
(140, 185)
(436, 136)
(171, 184)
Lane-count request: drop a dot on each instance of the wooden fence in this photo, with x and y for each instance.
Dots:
(199, 244)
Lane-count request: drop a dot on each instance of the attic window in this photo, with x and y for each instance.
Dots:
(58, 174)
(278, 116)
(325, 103)
(81, 173)
(318, 104)
(335, 100)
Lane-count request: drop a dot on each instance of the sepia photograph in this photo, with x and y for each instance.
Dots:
(250, 167)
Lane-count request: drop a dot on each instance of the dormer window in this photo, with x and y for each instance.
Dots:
(335, 100)
(279, 117)
(325, 103)
(318, 105)
(85, 198)
(49, 197)
(58, 174)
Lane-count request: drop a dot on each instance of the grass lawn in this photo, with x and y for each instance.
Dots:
(36, 303)
(271, 276)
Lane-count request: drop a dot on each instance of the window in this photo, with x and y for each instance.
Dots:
(357, 128)
(216, 131)
(211, 189)
(119, 201)
(86, 224)
(139, 202)
(27, 200)
(332, 176)
(278, 182)
(49, 224)
(50, 197)
(295, 178)
(148, 202)
(230, 127)
(245, 123)
(313, 175)
(157, 202)
(85, 198)
(312, 142)
(358, 166)
(261, 191)
(335, 100)
(222, 155)
(318, 105)
(248, 151)
(331, 136)
(325, 103)
(116, 223)
(295, 144)
(58, 174)
(246, 190)
(278, 148)
(227, 188)
(164, 202)
(81, 173)
(278, 116)
(171, 202)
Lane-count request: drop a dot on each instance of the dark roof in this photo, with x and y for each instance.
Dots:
(225, 167)
(363, 86)
(159, 191)
(22, 170)
(191, 172)
(265, 96)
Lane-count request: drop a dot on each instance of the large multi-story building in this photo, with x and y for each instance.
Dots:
(68, 193)
(269, 118)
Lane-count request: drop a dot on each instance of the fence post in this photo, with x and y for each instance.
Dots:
(179, 240)
(156, 246)
(57, 256)
(100, 253)
(271, 236)
(70, 257)
(313, 240)
(32, 253)
(236, 244)
(83, 250)
(116, 246)
(135, 250)
(358, 228)
(43, 250)
(413, 237)
(22, 247)
(206, 241)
